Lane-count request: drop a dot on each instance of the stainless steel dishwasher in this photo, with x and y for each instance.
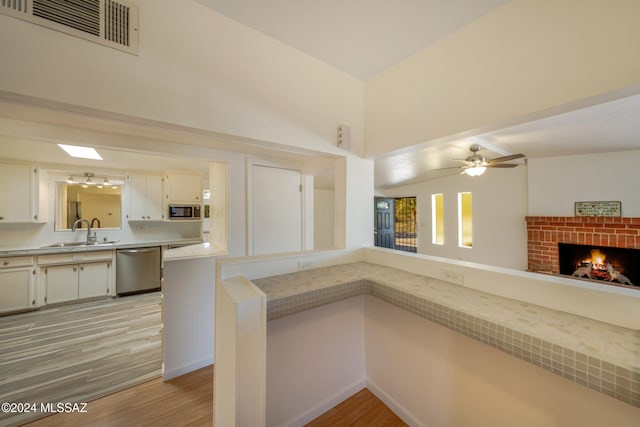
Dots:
(137, 270)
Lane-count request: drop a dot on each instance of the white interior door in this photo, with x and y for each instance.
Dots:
(276, 210)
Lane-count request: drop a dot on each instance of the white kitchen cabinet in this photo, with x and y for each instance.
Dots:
(183, 187)
(77, 281)
(76, 275)
(145, 198)
(20, 184)
(17, 284)
(61, 283)
(93, 279)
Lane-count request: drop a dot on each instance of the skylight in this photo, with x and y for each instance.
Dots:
(81, 152)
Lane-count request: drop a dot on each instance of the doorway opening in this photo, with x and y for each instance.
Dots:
(395, 223)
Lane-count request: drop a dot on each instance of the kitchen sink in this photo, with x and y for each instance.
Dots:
(76, 244)
(104, 242)
(64, 245)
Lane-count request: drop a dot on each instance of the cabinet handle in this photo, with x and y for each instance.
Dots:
(5, 263)
(1, 218)
(81, 268)
(75, 268)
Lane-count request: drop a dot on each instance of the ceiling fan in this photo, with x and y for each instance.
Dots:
(477, 164)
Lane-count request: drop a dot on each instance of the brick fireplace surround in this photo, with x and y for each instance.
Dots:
(545, 232)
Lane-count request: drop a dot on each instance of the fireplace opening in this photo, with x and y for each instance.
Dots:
(619, 266)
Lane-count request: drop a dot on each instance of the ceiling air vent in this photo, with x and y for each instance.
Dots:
(108, 22)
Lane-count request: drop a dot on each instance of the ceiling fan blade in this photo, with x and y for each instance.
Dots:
(465, 161)
(506, 158)
(502, 165)
(453, 167)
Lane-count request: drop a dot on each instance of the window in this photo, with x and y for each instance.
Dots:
(437, 219)
(405, 224)
(465, 229)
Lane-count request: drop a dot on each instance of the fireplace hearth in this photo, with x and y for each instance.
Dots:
(615, 265)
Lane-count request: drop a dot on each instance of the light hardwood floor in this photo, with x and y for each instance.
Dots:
(76, 353)
(188, 401)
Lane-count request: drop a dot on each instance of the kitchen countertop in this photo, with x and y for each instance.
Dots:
(201, 250)
(26, 251)
(602, 356)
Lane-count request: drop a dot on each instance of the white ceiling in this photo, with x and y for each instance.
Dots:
(605, 127)
(364, 37)
(359, 37)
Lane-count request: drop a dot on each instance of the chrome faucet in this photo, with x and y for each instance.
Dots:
(80, 221)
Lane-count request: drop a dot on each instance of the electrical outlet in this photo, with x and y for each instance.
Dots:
(305, 264)
(452, 276)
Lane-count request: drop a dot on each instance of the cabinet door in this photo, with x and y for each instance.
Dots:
(137, 197)
(61, 283)
(15, 186)
(145, 197)
(154, 197)
(184, 187)
(15, 288)
(93, 279)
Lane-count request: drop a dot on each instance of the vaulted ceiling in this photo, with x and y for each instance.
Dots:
(364, 37)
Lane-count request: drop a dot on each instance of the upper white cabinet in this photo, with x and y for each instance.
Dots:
(145, 198)
(183, 187)
(20, 193)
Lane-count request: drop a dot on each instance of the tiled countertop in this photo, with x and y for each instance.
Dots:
(602, 356)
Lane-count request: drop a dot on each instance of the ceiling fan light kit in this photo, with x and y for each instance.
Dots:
(475, 170)
(476, 165)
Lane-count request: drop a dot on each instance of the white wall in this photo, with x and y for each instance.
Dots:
(199, 70)
(439, 378)
(355, 229)
(188, 315)
(499, 201)
(323, 218)
(555, 183)
(195, 68)
(315, 360)
(509, 66)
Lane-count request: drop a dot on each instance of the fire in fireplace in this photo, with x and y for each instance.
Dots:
(618, 266)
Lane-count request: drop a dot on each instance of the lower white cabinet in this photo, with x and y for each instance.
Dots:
(17, 284)
(61, 283)
(76, 281)
(68, 277)
(93, 279)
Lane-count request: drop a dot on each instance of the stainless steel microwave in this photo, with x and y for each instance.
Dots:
(184, 212)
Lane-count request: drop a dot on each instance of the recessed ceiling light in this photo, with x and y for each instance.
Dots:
(81, 152)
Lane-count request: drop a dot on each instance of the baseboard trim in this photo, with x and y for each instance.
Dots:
(393, 404)
(185, 369)
(327, 404)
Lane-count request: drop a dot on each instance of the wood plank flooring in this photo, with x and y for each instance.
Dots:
(108, 353)
(183, 401)
(188, 401)
(76, 353)
(363, 409)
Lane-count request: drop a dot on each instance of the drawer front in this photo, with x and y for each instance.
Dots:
(75, 257)
(19, 261)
